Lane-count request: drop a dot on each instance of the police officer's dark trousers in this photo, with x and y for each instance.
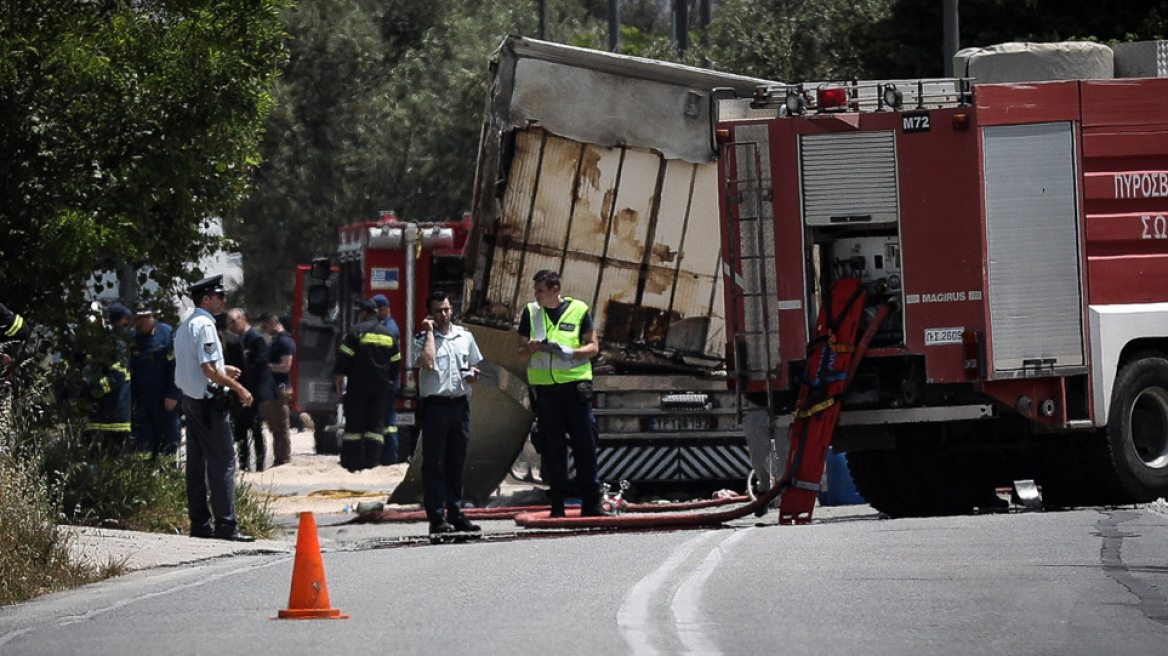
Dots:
(210, 465)
(445, 435)
(561, 411)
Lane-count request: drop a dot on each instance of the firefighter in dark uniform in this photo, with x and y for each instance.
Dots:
(557, 334)
(156, 397)
(370, 358)
(107, 382)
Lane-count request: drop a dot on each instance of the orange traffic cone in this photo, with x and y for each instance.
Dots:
(309, 598)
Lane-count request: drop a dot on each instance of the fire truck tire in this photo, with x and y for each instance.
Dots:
(1137, 428)
(909, 482)
(1077, 470)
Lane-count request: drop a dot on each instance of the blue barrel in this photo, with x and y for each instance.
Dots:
(841, 491)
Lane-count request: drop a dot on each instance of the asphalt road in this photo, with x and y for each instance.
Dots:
(1090, 581)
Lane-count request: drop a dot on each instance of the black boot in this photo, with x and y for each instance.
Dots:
(352, 455)
(594, 509)
(462, 524)
(371, 447)
(557, 505)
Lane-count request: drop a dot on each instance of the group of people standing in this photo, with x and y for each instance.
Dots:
(558, 340)
(556, 337)
(265, 365)
(135, 403)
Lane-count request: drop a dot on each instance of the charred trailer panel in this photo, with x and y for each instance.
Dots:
(600, 167)
(1005, 227)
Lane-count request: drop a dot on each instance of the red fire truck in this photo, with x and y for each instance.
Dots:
(405, 261)
(1014, 236)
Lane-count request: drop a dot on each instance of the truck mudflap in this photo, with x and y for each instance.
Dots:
(500, 420)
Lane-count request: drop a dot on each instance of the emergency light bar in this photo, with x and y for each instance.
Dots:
(831, 100)
(394, 237)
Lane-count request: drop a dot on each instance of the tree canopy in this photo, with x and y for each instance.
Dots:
(379, 108)
(125, 125)
(128, 124)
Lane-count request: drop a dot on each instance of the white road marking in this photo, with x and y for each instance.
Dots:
(647, 637)
(687, 616)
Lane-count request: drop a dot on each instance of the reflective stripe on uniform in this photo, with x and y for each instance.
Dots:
(377, 339)
(117, 427)
(118, 366)
(17, 324)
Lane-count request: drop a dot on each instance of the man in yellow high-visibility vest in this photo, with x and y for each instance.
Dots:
(556, 333)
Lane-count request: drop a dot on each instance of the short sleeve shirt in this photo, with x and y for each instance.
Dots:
(196, 342)
(453, 353)
(282, 345)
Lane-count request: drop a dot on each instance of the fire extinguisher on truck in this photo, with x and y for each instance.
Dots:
(403, 261)
(1007, 234)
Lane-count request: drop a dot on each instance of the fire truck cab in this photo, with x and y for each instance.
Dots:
(1017, 233)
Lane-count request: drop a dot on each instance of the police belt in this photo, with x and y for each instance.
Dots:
(444, 400)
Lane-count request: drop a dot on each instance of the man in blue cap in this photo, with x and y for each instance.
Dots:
(204, 381)
(389, 454)
(155, 395)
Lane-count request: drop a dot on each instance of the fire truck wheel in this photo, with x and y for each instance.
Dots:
(913, 481)
(1137, 429)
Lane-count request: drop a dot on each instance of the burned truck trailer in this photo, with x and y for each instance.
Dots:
(600, 167)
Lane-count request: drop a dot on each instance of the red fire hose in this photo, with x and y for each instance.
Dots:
(509, 512)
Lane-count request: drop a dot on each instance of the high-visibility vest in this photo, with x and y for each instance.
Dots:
(550, 368)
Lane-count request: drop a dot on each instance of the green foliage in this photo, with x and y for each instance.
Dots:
(34, 555)
(136, 492)
(793, 40)
(49, 473)
(379, 108)
(125, 124)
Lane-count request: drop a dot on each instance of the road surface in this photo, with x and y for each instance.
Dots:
(1088, 581)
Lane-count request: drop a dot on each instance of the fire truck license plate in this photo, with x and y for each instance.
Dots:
(405, 419)
(939, 336)
(681, 423)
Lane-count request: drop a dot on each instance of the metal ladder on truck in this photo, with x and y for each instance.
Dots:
(750, 260)
(833, 354)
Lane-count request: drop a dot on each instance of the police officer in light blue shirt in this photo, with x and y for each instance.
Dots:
(204, 381)
(447, 358)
